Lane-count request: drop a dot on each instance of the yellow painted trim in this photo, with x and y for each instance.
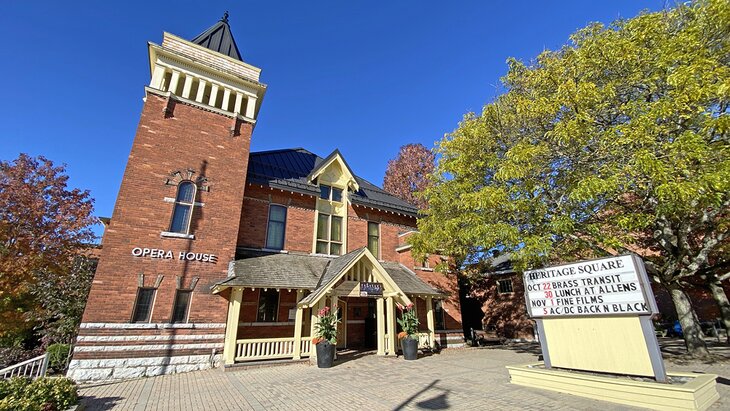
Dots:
(298, 331)
(378, 267)
(234, 310)
(391, 325)
(337, 157)
(430, 321)
(380, 319)
(271, 348)
(697, 394)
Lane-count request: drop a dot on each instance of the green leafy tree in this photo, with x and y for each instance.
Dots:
(61, 300)
(617, 142)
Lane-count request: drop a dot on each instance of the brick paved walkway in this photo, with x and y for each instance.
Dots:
(458, 379)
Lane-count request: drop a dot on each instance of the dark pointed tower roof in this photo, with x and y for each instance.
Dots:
(219, 38)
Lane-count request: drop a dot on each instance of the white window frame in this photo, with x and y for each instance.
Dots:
(499, 286)
(268, 220)
(187, 309)
(174, 207)
(151, 309)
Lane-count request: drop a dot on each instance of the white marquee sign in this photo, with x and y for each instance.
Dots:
(609, 286)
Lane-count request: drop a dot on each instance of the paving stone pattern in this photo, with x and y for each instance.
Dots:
(457, 379)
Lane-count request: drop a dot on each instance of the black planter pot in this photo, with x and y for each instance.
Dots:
(325, 354)
(410, 348)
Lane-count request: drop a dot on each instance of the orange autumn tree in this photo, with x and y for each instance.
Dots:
(44, 225)
(408, 173)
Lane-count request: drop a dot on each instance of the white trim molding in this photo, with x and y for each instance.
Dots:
(138, 326)
(141, 338)
(147, 347)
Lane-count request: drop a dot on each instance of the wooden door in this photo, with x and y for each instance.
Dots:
(342, 326)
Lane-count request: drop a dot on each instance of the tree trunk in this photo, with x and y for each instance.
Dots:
(688, 320)
(718, 293)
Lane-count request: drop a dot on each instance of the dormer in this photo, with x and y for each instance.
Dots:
(334, 170)
(335, 179)
(207, 72)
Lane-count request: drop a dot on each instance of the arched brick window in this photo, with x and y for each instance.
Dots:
(184, 202)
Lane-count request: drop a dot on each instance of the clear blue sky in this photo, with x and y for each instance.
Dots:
(363, 76)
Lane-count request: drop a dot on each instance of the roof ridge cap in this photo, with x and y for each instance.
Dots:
(279, 150)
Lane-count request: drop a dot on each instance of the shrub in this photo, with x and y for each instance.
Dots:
(42, 394)
(15, 354)
(57, 356)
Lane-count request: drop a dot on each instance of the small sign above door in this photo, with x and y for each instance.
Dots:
(371, 289)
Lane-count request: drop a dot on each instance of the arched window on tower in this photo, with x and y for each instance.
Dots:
(184, 202)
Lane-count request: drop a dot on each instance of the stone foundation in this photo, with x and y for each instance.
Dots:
(450, 338)
(121, 369)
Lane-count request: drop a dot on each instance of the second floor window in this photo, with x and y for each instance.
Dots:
(184, 202)
(276, 227)
(330, 193)
(374, 239)
(329, 234)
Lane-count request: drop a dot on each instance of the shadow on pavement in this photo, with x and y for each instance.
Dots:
(437, 402)
(526, 347)
(99, 403)
(346, 356)
(674, 349)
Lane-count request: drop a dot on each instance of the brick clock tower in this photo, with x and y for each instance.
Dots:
(176, 219)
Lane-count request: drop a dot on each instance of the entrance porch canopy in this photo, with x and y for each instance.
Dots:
(318, 279)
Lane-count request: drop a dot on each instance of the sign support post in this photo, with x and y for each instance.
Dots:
(543, 343)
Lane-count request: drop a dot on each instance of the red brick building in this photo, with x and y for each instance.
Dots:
(216, 254)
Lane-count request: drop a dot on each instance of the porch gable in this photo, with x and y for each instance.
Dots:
(344, 274)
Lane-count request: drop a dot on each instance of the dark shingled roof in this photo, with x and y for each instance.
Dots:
(337, 265)
(278, 271)
(502, 264)
(407, 279)
(333, 270)
(312, 272)
(219, 38)
(288, 169)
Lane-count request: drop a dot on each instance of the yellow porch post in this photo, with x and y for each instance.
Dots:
(315, 319)
(430, 322)
(391, 326)
(381, 326)
(298, 328)
(234, 310)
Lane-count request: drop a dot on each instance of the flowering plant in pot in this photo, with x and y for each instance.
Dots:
(408, 321)
(325, 337)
